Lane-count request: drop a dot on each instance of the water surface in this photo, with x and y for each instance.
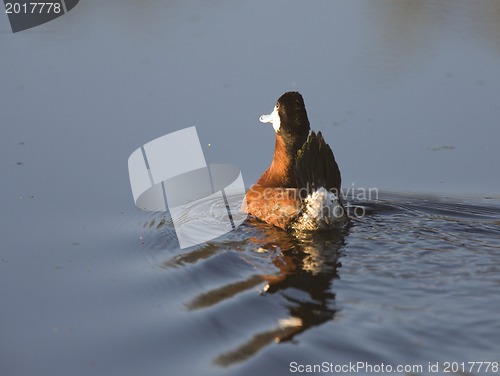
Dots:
(405, 91)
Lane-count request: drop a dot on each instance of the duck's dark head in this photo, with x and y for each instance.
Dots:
(289, 120)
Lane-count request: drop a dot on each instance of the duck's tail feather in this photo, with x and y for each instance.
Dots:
(316, 166)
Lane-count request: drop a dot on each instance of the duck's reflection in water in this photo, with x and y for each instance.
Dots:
(305, 267)
(308, 263)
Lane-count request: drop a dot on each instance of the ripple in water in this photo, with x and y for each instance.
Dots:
(415, 280)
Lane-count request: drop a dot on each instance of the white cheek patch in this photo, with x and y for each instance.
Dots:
(276, 120)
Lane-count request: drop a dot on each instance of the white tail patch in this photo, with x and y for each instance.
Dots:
(322, 211)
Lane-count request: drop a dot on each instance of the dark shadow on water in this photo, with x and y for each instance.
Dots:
(226, 292)
(307, 264)
(299, 274)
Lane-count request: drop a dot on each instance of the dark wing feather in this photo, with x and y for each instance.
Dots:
(316, 167)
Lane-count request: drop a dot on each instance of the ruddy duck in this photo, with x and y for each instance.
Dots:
(301, 188)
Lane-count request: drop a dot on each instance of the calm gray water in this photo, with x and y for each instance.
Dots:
(405, 92)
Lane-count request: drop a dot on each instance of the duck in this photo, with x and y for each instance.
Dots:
(301, 188)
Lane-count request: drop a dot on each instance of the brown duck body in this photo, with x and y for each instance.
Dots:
(301, 164)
